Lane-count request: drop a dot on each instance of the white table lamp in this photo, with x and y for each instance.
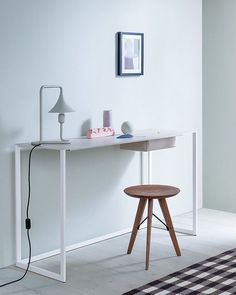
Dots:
(60, 108)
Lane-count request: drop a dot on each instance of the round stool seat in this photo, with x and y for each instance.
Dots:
(152, 191)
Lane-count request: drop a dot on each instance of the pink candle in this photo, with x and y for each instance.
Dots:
(107, 118)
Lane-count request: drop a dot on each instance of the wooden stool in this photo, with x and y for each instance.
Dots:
(149, 193)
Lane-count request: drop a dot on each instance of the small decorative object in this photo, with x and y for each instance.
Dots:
(130, 53)
(60, 108)
(126, 127)
(100, 132)
(127, 130)
(107, 118)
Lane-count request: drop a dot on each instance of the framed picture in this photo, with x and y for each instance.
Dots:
(130, 53)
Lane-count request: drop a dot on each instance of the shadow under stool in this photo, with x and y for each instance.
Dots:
(148, 193)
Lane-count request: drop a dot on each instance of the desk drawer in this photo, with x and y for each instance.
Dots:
(150, 145)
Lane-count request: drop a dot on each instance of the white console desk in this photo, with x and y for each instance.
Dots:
(146, 142)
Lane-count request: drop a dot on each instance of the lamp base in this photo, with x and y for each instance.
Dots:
(51, 142)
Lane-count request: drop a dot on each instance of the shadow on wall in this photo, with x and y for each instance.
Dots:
(99, 170)
(95, 182)
(116, 55)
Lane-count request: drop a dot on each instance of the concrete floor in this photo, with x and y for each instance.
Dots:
(105, 269)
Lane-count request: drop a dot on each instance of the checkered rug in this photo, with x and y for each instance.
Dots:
(215, 276)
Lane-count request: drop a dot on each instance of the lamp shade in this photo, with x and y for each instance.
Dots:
(61, 106)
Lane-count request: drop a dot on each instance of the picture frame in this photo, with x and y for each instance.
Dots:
(130, 54)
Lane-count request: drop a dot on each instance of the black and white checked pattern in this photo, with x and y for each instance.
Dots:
(216, 275)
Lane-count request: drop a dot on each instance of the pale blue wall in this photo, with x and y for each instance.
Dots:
(219, 104)
(72, 43)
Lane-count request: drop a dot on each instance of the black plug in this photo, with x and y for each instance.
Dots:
(28, 223)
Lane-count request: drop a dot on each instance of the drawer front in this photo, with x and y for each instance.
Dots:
(150, 145)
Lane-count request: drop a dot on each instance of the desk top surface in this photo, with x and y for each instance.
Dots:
(83, 143)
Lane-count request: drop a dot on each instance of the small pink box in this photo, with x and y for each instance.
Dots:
(100, 132)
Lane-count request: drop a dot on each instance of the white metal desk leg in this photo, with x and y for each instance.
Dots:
(63, 213)
(18, 201)
(22, 263)
(149, 167)
(141, 168)
(194, 145)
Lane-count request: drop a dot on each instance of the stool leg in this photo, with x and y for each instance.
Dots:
(149, 228)
(166, 214)
(139, 214)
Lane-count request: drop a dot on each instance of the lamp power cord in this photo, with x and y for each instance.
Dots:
(27, 220)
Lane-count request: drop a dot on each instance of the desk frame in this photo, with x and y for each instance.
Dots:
(61, 276)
